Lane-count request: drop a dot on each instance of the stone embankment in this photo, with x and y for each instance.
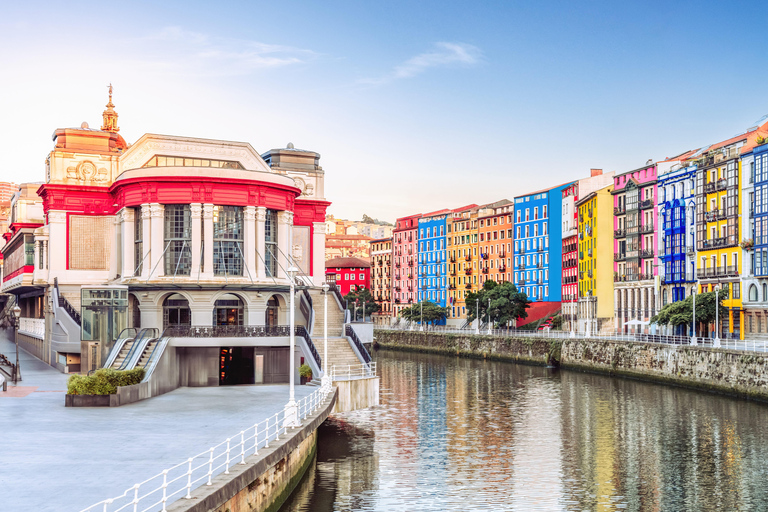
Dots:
(732, 372)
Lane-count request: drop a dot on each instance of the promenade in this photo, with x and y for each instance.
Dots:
(65, 459)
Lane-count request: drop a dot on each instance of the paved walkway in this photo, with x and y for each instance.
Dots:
(65, 459)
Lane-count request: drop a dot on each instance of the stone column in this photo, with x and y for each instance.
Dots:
(116, 252)
(284, 241)
(57, 233)
(249, 242)
(207, 241)
(157, 239)
(318, 253)
(196, 213)
(127, 228)
(146, 243)
(261, 217)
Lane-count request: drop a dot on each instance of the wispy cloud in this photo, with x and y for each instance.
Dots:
(188, 51)
(443, 54)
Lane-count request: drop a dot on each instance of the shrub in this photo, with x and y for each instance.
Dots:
(103, 382)
(305, 371)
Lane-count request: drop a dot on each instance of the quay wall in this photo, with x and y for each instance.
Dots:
(266, 479)
(732, 372)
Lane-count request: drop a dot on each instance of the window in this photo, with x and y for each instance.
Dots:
(752, 293)
(138, 244)
(362, 277)
(270, 243)
(178, 240)
(227, 240)
(171, 161)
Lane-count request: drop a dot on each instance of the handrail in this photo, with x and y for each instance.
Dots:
(351, 334)
(353, 371)
(151, 362)
(226, 331)
(65, 304)
(136, 342)
(177, 482)
(302, 331)
(335, 289)
(311, 320)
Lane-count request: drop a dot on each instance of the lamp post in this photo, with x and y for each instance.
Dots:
(326, 382)
(693, 333)
(692, 205)
(477, 317)
(16, 315)
(489, 316)
(717, 317)
(421, 314)
(291, 409)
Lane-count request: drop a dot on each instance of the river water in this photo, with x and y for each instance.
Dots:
(464, 434)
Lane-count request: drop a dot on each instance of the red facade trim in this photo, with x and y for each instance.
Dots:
(26, 269)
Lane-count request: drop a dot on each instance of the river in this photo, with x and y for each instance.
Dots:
(465, 434)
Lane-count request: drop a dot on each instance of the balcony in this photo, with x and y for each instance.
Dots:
(619, 233)
(620, 210)
(503, 268)
(581, 255)
(468, 286)
(645, 204)
(540, 248)
(719, 271)
(646, 253)
(522, 250)
(468, 257)
(589, 274)
(468, 271)
(452, 259)
(539, 265)
(484, 255)
(397, 265)
(714, 215)
(619, 256)
(521, 266)
(502, 254)
(717, 243)
(484, 270)
(521, 281)
(34, 327)
(690, 250)
(631, 277)
(451, 286)
(397, 288)
(646, 228)
(715, 186)
(589, 252)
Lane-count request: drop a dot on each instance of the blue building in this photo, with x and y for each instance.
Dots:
(677, 231)
(538, 263)
(758, 210)
(433, 283)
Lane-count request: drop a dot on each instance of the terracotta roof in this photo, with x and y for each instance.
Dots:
(545, 189)
(347, 263)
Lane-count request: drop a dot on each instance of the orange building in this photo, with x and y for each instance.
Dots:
(496, 232)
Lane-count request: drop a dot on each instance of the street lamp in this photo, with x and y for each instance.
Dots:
(477, 317)
(717, 317)
(692, 205)
(326, 382)
(291, 409)
(489, 316)
(16, 315)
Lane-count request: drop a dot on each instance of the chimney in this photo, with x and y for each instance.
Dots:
(596, 172)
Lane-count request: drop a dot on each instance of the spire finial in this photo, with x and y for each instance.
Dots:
(109, 115)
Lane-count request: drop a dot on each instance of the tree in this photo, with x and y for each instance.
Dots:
(364, 297)
(681, 312)
(507, 303)
(425, 311)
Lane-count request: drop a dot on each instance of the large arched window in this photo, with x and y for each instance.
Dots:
(752, 293)
(273, 307)
(176, 311)
(228, 240)
(228, 310)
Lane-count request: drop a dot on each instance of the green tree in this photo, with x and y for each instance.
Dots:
(363, 297)
(426, 311)
(507, 303)
(681, 312)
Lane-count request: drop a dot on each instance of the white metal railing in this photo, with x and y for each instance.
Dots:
(34, 327)
(156, 492)
(353, 371)
(757, 345)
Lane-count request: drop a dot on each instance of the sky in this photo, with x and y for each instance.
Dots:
(413, 106)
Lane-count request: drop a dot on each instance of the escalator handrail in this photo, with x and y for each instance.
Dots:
(136, 342)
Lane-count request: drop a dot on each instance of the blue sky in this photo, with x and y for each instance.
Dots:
(414, 106)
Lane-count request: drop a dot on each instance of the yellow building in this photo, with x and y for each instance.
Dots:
(595, 309)
(463, 235)
(718, 208)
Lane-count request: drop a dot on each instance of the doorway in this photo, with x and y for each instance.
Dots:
(176, 311)
(272, 367)
(236, 366)
(273, 307)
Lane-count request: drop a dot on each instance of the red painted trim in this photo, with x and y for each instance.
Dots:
(26, 269)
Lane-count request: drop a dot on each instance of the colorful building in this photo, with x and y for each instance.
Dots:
(349, 274)
(538, 219)
(433, 282)
(462, 244)
(635, 220)
(677, 232)
(405, 253)
(570, 278)
(381, 278)
(496, 237)
(595, 241)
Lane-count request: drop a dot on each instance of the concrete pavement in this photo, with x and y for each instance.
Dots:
(65, 459)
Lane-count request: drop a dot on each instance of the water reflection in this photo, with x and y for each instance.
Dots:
(460, 434)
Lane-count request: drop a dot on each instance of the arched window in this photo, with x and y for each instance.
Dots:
(664, 297)
(752, 293)
(765, 292)
(228, 310)
(273, 306)
(176, 311)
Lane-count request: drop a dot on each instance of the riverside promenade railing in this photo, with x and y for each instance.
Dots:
(754, 345)
(353, 371)
(156, 492)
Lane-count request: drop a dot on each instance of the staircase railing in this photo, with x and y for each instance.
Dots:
(311, 315)
(65, 304)
(302, 331)
(335, 289)
(351, 334)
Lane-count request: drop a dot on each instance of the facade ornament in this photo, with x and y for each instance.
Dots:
(156, 210)
(110, 116)
(126, 214)
(261, 214)
(319, 228)
(249, 213)
(145, 211)
(309, 190)
(56, 216)
(207, 211)
(86, 171)
(285, 217)
(297, 252)
(196, 210)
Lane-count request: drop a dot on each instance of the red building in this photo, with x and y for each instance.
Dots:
(349, 274)
(405, 255)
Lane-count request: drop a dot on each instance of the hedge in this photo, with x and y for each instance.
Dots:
(103, 382)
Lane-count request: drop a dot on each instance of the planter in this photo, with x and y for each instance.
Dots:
(86, 400)
(304, 380)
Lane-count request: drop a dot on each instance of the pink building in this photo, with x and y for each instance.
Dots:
(405, 260)
(635, 222)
